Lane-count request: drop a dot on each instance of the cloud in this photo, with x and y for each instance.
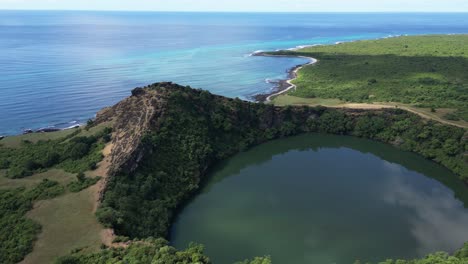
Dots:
(437, 219)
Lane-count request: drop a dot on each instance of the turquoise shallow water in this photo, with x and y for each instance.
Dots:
(58, 68)
(325, 199)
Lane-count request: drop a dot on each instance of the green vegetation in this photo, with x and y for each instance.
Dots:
(200, 129)
(57, 175)
(82, 182)
(150, 251)
(460, 257)
(33, 170)
(121, 239)
(257, 260)
(67, 222)
(17, 233)
(197, 130)
(424, 71)
(72, 153)
(16, 141)
(157, 251)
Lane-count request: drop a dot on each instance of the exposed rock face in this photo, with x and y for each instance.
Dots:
(132, 118)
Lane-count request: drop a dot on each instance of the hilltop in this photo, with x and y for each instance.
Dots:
(154, 149)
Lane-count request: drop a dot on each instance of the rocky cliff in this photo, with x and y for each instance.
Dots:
(131, 119)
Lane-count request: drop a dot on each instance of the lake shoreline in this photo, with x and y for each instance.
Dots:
(283, 86)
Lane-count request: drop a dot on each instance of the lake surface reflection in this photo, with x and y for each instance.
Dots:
(325, 199)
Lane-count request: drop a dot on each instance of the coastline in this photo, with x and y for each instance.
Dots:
(286, 85)
(283, 86)
(50, 129)
(279, 87)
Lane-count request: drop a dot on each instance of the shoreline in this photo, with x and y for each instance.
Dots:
(283, 86)
(280, 86)
(50, 129)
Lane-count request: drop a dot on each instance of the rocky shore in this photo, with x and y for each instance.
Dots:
(282, 85)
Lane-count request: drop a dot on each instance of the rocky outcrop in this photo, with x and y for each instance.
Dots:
(131, 119)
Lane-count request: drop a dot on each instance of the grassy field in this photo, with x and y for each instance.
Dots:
(419, 71)
(67, 221)
(286, 99)
(15, 141)
(54, 174)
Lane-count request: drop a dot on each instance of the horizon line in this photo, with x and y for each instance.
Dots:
(226, 11)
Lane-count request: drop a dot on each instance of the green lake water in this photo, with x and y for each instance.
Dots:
(325, 199)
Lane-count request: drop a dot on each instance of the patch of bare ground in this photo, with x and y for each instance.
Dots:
(107, 234)
(68, 222)
(426, 113)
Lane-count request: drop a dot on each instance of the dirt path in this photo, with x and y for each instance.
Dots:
(107, 235)
(404, 107)
(426, 113)
(101, 171)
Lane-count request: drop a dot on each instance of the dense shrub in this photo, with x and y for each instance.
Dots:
(17, 232)
(73, 154)
(460, 257)
(82, 183)
(257, 260)
(149, 251)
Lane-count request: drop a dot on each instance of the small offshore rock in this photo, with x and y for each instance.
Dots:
(47, 130)
(27, 131)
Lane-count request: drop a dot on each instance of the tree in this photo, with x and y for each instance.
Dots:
(451, 147)
(78, 150)
(81, 177)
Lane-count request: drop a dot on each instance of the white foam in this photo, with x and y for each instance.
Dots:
(271, 80)
(74, 126)
(304, 46)
(393, 36)
(255, 52)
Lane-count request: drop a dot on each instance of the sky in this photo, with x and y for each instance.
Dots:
(245, 5)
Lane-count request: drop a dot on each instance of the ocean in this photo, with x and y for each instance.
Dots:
(58, 68)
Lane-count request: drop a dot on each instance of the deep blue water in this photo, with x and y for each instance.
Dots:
(57, 67)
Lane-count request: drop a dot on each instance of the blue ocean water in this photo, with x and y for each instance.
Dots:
(61, 67)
